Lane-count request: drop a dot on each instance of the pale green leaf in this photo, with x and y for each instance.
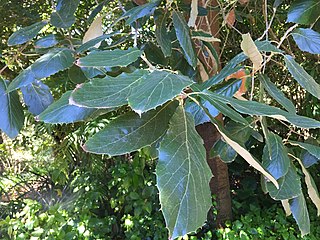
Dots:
(183, 176)
(130, 132)
(110, 58)
(307, 40)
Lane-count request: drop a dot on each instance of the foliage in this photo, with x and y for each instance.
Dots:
(146, 87)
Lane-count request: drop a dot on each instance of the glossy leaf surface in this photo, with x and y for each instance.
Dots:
(304, 11)
(300, 213)
(183, 176)
(307, 39)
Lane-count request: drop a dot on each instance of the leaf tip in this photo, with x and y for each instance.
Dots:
(84, 147)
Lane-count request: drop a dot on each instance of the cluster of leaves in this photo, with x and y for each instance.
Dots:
(165, 102)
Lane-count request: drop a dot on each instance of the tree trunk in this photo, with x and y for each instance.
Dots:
(219, 184)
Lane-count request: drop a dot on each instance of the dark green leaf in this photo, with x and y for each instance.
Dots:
(107, 92)
(300, 213)
(290, 186)
(275, 159)
(110, 58)
(302, 77)
(140, 11)
(96, 10)
(154, 54)
(260, 109)
(37, 97)
(62, 112)
(229, 69)
(224, 151)
(308, 159)
(11, 112)
(277, 94)
(266, 46)
(46, 42)
(183, 176)
(307, 39)
(162, 34)
(93, 42)
(25, 34)
(304, 11)
(76, 75)
(64, 17)
(183, 36)
(130, 132)
(312, 149)
(155, 89)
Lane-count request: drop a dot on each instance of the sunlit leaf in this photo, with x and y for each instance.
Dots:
(26, 34)
(46, 41)
(193, 13)
(307, 39)
(303, 11)
(94, 31)
(250, 49)
(63, 16)
(183, 176)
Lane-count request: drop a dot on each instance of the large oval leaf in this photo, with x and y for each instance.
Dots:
(183, 36)
(156, 89)
(107, 92)
(37, 97)
(304, 11)
(290, 186)
(302, 77)
(64, 17)
(183, 176)
(110, 58)
(307, 40)
(130, 132)
(11, 112)
(62, 112)
(25, 34)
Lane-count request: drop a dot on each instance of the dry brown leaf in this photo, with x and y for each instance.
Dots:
(243, 2)
(193, 13)
(241, 74)
(250, 49)
(231, 18)
(94, 31)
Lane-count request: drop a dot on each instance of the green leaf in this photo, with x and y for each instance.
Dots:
(76, 75)
(312, 149)
(107, 92)
(37, 97)
(25, 34)
(300, 213)
(110, 58)
(277, 3)
(275, 159)
(304, 11)
(229, 69)
(11, 112)
(162, 34)
(277, 94)
(96, 10)
(130, 132)
(183, 176)
(290, 186)
(198, 113)
(62, 112)
(64, 17)
(266, 46)
(222, 107)
(140, 11)
(183, 36)
(307, 40)
(87, 45)
(224, 151)
(308, 159)
(46, 41)
(302, 77)
(23, 79)
(155, 89)
(260, 109)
